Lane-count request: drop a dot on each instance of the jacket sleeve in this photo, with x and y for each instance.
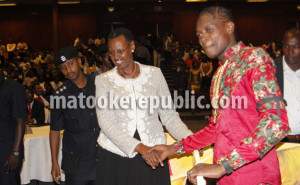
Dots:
(273, 125)
(169, 117)
(108, 123)
(203, 137)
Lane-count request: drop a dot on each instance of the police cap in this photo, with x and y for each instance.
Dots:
(65, 54)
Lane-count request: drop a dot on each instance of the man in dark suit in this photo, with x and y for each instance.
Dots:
(288, 76)
(35, 109)
(12, 124)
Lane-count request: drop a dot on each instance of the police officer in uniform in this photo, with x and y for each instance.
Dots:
(12, 123)
(77, 117)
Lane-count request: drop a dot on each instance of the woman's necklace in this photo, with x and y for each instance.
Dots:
(216, 90)
(131, 73)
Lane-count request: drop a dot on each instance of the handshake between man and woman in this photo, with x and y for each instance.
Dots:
(156, 155)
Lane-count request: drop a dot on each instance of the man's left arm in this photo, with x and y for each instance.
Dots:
(19, 113)
(13, 159)
(273, 125)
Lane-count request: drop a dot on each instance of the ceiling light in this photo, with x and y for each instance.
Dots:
(111, 9)
(7, 4)
(190, 1)
(68, 1)
(256, 1)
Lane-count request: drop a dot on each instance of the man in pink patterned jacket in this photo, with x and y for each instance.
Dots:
(249, 116)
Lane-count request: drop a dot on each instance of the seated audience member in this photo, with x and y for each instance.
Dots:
(106, 63)
(37, 90)
(189, 61)
(35, 109)
(180, 75)
(10, 48)
(156, 56)
(19, 75)
(77, 42)
(28, 81)
(89, 64)
(38, 71)
(26, 67)
(207, 69)
(195, 78)
(186, 53)
(48, 76)
(56, 83)
(47, 90)
(142, 53)
(22, 49)
(288, 75)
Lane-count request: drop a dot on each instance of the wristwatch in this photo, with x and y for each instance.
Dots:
(227, 167)
(16, 153)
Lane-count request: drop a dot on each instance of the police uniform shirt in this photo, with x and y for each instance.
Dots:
(80, 126)
(12, 106)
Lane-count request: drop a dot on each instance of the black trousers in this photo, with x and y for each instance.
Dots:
(11, 178)
(74, 181)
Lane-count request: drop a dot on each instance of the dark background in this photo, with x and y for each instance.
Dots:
(33, 21)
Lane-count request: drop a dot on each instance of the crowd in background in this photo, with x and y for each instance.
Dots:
(192, 69)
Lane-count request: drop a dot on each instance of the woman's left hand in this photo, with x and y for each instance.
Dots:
(151, 158)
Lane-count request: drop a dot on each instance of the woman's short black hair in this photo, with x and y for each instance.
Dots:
(121, 31)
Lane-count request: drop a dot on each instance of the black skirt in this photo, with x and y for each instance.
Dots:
(113, 169)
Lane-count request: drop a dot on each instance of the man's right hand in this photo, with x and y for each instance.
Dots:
(164, 151)
(56, 173)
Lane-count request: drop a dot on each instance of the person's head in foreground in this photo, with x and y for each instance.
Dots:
(69, 63)
(215, 30)
(120, 49)
(291, 48)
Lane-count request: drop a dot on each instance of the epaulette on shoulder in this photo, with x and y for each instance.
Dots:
(62, 88)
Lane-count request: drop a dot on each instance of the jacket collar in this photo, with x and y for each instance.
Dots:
(234, 50)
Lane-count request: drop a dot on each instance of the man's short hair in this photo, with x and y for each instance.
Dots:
(29, 89)
(121, 31)
(219, 12)
(294, 31)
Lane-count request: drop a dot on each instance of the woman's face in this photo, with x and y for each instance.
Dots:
(120, 52)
